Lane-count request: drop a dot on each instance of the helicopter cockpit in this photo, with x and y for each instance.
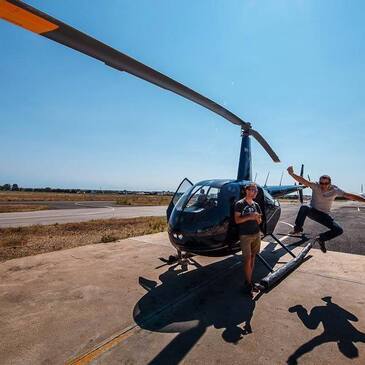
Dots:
(201, 213)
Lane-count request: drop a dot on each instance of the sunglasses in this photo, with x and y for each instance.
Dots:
(324, 183)
(252, 189)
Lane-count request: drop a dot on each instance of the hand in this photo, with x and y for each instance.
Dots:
(290, 170)
(296, 308)
(256, 217)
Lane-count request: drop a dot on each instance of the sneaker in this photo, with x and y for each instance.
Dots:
(248, 289)
(296, 230)
(257, 288)
(321, 244)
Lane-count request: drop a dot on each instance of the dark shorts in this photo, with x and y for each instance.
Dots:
(250, 244)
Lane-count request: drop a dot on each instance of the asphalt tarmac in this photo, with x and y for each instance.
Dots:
(350, 216)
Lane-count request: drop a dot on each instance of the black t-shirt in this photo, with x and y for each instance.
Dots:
(251, 226)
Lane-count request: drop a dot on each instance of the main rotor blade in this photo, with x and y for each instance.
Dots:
(38, 22)
(265, 145)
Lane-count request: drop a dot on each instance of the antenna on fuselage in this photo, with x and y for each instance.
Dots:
(267, 178)
(281, 179)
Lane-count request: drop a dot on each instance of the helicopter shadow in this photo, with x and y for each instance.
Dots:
(336, 328)
(190, 302)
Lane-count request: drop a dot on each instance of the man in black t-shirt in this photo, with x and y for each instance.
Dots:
(248, 217)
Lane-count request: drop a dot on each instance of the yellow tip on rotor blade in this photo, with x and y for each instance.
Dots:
(25, 19)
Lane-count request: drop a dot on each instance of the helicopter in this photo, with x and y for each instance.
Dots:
(200, 216)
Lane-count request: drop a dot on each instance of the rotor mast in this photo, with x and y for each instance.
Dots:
(245, 162)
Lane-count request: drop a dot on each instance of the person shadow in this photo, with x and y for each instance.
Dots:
(218, 304)
(337, 327)
(190, 302)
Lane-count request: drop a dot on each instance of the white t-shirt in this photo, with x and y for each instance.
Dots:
(322, 201)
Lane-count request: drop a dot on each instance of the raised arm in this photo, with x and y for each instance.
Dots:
(311, 320)
(298, 178)
(354, 197)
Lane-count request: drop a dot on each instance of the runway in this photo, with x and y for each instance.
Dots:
(77, 215)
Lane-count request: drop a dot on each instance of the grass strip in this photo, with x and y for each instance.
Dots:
(33, 240)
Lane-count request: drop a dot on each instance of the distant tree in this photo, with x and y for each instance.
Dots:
(6, 187)
(15, 187)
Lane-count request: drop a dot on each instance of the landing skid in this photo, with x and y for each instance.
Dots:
(276, 275)
(181, 258)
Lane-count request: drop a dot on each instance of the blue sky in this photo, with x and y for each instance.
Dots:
(294, 69)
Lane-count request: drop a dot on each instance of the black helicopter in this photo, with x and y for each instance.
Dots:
(200, 216)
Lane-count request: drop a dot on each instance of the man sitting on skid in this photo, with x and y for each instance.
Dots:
(247, 216)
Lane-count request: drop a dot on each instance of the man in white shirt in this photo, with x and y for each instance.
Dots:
(323, 195)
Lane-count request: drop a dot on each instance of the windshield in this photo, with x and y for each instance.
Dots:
(198, 198)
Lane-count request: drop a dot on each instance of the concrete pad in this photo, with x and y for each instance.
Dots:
(118, 303)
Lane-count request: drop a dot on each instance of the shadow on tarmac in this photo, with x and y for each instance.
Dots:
(336, 328)
(189, 302)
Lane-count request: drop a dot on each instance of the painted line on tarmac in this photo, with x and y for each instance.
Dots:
(282, 238)
(104, 346)
(119, 337)
(288, 224)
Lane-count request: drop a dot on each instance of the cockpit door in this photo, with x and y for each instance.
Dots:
(272, 212)
(183, 187)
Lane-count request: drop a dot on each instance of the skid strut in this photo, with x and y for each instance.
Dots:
(276, 275)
